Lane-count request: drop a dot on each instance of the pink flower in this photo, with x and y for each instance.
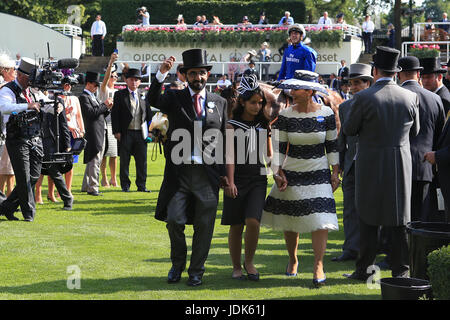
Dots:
(420, 46)
(425, 46)
(437, 47)
(413, 46)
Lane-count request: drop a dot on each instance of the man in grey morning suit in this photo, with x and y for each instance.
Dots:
(359, 79)
(190, 190)
(383, 117)
(432, 119)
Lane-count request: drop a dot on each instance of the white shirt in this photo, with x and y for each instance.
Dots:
(368, 26)
(98, 28)
(146, 19)
(8, 101)
(322, 20)
(223, 83)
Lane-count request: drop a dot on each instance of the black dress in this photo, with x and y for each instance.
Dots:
(250, 143)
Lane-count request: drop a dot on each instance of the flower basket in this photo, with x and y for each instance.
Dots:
(224, 37)
(425, 51)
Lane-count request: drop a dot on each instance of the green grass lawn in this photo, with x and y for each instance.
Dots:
(122, 252)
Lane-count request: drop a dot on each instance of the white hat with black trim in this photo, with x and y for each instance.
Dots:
(303, 80)
(6, 62)
(297, 27)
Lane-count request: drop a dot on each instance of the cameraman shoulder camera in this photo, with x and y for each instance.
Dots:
(23, 140)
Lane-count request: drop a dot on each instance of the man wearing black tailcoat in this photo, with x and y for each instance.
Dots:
(432, 119)
(189, 191)
(383, 116)
(359, 79)
(130, 115)
(94, 114)
(432, 77)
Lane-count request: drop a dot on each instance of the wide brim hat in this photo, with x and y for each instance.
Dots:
(297, 27)
(386, 59)
(92, 77)
(252, 52)
(27, 65)
(303, 80)
(431, 65)
(359, 71)
(194, 58)
(6, 62)
(410, 63)
(133, 73)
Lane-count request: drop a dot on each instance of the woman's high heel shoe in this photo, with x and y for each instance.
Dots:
(291, 274)
(251, 276)
(317, 283)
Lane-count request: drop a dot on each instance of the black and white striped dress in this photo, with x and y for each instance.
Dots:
(307, 204)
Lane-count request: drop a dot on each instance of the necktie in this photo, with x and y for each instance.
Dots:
(198, 108)
(27, 97)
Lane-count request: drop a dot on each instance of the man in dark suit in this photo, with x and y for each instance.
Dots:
(94, 114)
(432, 77)
(432, 80)
(441, 157)
(383, 116)
(360, 79)
(432, 118)
(129, 124)
(193, 173)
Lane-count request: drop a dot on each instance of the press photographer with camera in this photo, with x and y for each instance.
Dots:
(23, 140)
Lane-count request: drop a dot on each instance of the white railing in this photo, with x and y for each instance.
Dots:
(348, 30)
(419, 28)
(407, 44)
(67, 29)
(211, 86)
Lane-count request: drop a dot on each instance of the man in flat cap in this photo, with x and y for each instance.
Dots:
(383, 116)
(190, 190)
(432, 118)
(24, 143)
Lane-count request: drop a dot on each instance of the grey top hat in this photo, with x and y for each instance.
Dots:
(360, 71)
(27, 65)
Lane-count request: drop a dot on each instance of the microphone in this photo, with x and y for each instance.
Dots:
(69, 63)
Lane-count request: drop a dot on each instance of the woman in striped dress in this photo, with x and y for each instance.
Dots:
(304, 146)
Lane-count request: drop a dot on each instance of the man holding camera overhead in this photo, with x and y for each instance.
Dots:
(23, 140)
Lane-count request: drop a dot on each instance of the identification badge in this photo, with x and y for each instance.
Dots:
(320, 119)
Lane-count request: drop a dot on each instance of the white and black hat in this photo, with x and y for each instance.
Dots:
(303, 80)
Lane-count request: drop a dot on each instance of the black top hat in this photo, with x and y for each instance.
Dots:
(133, 73)
(65, 80)
(386, 59)
(194, 58)
(92, 77)
(431, 65)
(409, 63)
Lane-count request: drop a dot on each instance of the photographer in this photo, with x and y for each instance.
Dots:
(144, 16)
(23, 140)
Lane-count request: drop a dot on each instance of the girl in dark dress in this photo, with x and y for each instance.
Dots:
(244, 198)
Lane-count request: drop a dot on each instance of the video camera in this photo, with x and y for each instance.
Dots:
(48, 76)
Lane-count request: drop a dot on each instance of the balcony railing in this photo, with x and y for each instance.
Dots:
(67, 29)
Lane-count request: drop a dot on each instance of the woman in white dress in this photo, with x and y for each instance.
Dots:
(106, 91)
(304, 146)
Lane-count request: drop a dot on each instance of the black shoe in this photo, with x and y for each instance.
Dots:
(11, 217)
(345, 256)
(125, 189)
(383, 265)
(95, 194)
(356, 276)
(29, 219)
(143, 190)
(251, 276)
(174, 275)
(67, 208)
(194, 281)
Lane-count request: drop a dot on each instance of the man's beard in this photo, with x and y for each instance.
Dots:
(197, 85)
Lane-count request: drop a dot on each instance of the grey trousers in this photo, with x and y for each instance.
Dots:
(194, 189)
(92, 173)
(350, 215)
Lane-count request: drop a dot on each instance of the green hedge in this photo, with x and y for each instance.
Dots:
(117, 13)
(439, 272)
